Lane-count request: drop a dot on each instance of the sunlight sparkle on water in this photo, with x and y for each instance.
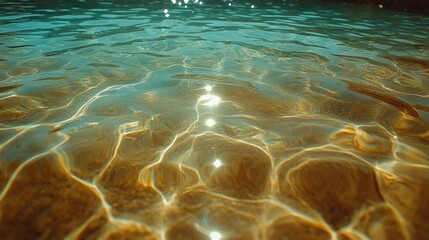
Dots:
(210, 100)
(217, 163)
(210, 122)
(208, 88)
(215, 236)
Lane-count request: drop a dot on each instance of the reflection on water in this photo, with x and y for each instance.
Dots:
(212, 120)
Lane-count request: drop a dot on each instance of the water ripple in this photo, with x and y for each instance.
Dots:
(212, 120)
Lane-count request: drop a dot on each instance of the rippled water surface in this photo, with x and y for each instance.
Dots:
(220, 120)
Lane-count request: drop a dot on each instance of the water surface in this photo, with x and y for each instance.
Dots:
(219, 120)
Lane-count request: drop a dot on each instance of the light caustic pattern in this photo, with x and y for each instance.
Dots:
(285, 120)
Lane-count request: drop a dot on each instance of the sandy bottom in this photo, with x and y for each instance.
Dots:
(213, 134)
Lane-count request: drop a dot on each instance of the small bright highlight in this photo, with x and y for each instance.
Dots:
(210, 122)
(217, 163)
(215, 236)
(210, 100)
(208, 88)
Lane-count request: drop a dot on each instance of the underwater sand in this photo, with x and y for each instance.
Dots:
(154, 120)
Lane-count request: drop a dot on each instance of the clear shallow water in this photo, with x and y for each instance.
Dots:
(289, 120)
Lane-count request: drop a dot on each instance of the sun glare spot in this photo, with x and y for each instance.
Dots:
(208, 88)
(210, 122)
(210, 100)
(215, 236)
(217, 163)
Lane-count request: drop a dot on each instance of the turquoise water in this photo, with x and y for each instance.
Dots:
(212, 120)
